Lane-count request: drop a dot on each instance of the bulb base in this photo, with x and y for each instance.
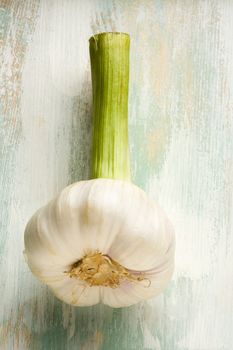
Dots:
(98, 269)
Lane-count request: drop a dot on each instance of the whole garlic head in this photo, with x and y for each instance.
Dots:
(101, 240)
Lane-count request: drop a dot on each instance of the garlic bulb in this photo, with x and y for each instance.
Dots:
(103, 241)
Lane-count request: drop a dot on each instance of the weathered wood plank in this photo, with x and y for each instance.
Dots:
(181, 127)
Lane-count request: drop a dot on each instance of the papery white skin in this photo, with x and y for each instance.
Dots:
(113, 217)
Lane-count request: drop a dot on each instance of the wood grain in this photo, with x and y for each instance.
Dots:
(181, 142)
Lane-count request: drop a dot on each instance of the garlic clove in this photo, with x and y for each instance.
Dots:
(98, 214)
(129, 293)
(119, 297)
(145, 237)
(45, 240)
(87, 213)
(39, 248)
(75, 293)
(154, 283)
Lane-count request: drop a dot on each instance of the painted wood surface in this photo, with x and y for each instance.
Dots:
(181, 141)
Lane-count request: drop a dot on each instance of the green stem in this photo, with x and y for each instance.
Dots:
(109, 53)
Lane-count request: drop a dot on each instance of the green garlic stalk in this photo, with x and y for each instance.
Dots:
(109, 54)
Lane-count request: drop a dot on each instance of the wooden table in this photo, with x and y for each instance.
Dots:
(181, 137)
